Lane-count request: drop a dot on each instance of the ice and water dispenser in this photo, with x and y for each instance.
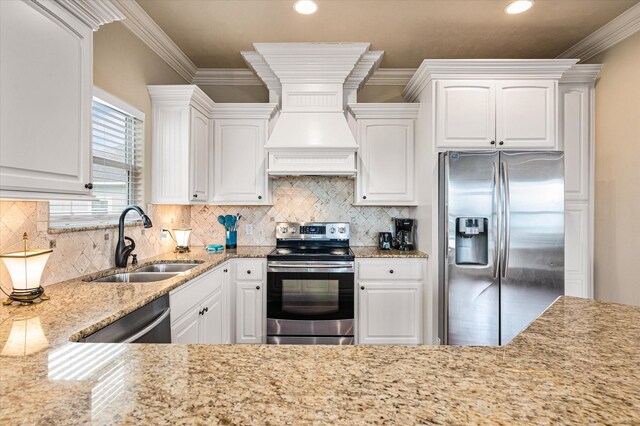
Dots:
(472, 241)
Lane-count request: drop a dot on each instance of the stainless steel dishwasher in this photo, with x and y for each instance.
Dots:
(149, 324)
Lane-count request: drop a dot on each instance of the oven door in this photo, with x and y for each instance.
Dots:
(310, 299)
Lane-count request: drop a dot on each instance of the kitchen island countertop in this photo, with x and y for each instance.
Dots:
(579, 362)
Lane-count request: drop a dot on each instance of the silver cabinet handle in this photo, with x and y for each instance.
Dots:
(148, 328)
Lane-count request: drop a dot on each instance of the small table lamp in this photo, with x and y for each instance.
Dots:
(25, 268)
(181, 237)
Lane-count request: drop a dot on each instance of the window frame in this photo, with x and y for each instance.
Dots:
(103, 220)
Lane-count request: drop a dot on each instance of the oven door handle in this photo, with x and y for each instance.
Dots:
(310, 267)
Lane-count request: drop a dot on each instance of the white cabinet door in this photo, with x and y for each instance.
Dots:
(187, 329)
(390, 313)
(465, 114)
(575, 137)
(199, 169)
(45, 101)
(526, 114)
(239, 171)
(249, 312)
(577, 251)
(212, 320)
(386, 173)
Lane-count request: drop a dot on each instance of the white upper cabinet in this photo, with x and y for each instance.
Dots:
(181, 142)
(501, 114)
(386, 160)
(199, 161)
(239, 172)
(526, 114)
(466, 114)
(575, 133)
(45, 102)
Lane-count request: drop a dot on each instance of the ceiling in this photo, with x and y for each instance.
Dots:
(213, 32)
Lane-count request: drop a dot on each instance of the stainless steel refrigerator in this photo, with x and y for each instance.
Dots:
(502, 242)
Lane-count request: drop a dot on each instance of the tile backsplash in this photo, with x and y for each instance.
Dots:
(304, 198)
(80, 252)
(294, 199)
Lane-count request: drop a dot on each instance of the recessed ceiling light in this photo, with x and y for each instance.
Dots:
(305, 7)
(518, 6)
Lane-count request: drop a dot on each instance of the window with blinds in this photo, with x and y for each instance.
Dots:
(118, 143)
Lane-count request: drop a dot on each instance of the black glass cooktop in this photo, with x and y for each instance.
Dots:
(311, 253)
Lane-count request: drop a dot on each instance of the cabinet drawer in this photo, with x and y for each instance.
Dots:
(249, 270)
(391, 269)
(191, 294)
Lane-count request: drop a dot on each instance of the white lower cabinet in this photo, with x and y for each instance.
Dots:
(199, 309)
(390, 301)
(250, 300)
(249, 312)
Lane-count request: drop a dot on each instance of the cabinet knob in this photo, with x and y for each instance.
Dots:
(259, 197)
(206, 309)
(195, 195)
(257, 287)
(361, 287)
(492, 142)
(501, 143)
(391, 271)
(248, 271)
(201, 312)
(364, 197)
(88, 185)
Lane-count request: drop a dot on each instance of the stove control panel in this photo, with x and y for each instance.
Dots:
(312, 231)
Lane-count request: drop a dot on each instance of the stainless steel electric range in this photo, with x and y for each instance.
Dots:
(310, 285)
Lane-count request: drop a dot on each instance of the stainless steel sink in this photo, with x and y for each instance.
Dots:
(136, 277)
(168, 267)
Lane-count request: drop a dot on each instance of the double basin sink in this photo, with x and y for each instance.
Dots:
(150, 273)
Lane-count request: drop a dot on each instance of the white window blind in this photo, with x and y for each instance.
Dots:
(118, 143)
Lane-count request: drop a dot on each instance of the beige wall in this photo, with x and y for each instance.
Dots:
(617, 177)
(380, 94)
(236, 93)
(124, 66)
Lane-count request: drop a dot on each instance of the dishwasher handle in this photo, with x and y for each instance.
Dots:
(148, 328)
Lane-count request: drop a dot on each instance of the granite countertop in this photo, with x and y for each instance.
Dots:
(579, 362)
(369, 252)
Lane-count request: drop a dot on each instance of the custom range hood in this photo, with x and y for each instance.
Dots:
(312, 82)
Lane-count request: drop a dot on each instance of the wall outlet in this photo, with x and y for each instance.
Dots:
(248, 229)
(164, 235)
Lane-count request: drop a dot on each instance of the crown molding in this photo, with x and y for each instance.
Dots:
(309, 63)
(616, 30)
(181, 94)
(391, 77)
(93, 12)
(226, 77)
(244, 110)
(385, 110)
(365, 67)
(581, 73)
(491, 69)
(256, 62)
(143, 26)
(247, 77)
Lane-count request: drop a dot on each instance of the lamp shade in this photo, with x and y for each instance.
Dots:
(182, 236)
(26, 267)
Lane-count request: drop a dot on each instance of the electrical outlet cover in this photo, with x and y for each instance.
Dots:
(249, 229)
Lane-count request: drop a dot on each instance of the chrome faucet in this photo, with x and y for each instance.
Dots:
(122, 249)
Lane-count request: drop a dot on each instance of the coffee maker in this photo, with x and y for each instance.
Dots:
(405, 230)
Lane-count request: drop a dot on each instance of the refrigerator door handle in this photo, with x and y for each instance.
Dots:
(507, 220)
(496, 200)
